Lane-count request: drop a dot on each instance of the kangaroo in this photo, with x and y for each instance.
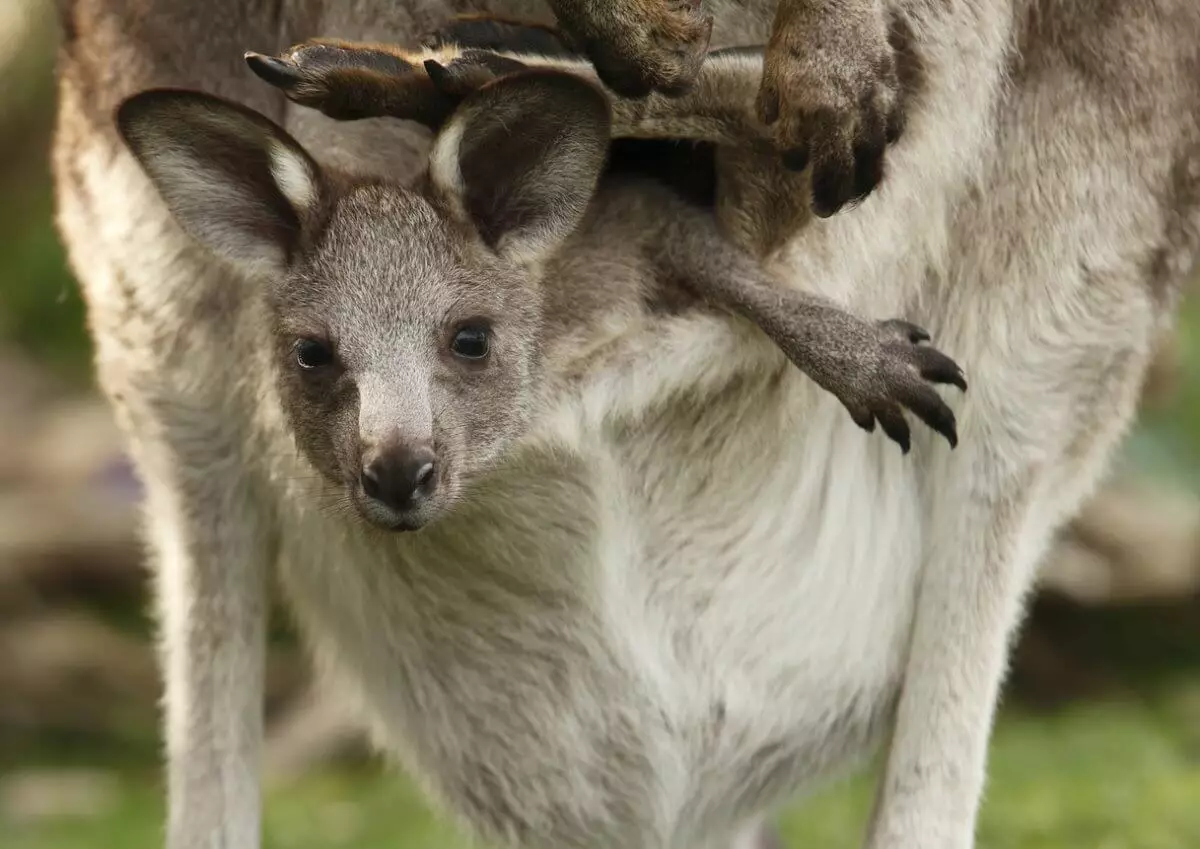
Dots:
(678, 588)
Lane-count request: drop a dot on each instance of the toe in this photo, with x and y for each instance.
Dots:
(929, 407)
(891, 419)
(281, 73)
(863, 418)
(935, 366)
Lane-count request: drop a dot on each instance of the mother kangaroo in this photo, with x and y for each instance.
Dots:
(744, 593)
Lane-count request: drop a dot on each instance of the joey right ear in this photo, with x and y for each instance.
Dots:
(519, 160)
(235, 180)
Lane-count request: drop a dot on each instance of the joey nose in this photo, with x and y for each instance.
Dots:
(399, 477)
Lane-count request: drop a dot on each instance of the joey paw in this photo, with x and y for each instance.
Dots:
(903, 378)
(348, 82)
(830, 96)
(342, 80)
(640, 46)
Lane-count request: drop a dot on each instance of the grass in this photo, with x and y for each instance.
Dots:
(1108, 775)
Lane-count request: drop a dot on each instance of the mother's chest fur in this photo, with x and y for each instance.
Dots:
(647, 626)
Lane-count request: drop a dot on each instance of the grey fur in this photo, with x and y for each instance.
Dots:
(692, 589)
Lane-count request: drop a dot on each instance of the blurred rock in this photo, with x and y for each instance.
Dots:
(28, 33)
(70, 673)
(30, 796)
(66, 523)
(1133, 542)
(315, 729)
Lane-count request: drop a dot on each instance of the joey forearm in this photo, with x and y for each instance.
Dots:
(875, 369)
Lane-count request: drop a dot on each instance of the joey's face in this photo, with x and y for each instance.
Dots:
(406, 355)
(405, 325)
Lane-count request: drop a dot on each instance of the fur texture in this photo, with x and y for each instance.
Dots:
(690, 588)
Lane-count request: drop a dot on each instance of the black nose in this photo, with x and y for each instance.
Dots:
(401, 478)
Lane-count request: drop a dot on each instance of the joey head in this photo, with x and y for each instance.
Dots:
(405, 323)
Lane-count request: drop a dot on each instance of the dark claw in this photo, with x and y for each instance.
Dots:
(831, 185)
(796, 159)
(928, 406)
(864, 419)
(277, 72)
(868, 171)
(438, 75)
(936, 366)
(894, 425)
(869, 150)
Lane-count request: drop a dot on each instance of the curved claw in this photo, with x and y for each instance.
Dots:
(918, 334)
(937, 367)
(278, 72)
(929, 407)
(893, 424)
(864, 419)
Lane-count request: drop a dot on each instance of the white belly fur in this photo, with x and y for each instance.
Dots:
(596, 650)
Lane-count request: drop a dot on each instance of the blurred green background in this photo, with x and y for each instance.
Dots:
(1098, 742)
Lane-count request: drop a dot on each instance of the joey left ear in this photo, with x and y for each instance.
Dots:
(520, 158)
(235, 180)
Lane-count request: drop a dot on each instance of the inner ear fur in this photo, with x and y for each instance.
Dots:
(234, 179)
(520, 158)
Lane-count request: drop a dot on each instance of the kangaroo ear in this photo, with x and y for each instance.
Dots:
(236, 181)
(520, 158)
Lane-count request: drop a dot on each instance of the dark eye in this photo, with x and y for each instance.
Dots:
(470, 343)
(311, 354)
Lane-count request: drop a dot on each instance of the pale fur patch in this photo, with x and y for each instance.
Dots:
(294, 176)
